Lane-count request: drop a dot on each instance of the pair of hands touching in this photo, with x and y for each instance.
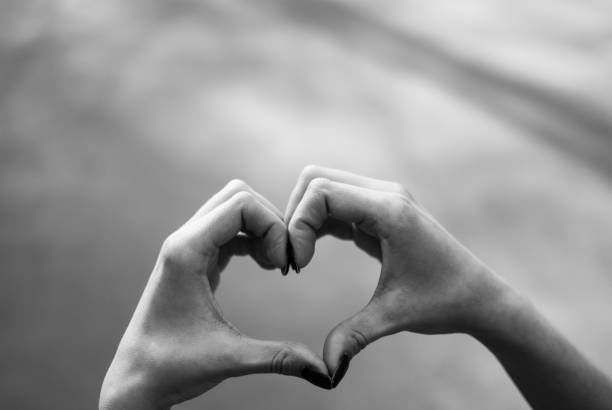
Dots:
(178, 345)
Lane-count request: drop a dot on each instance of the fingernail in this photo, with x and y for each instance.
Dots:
(341, 370)
(291, 257)
(318, 379)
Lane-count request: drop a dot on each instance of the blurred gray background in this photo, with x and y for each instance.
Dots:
(118, 119)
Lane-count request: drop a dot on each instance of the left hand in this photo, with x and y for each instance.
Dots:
(429, 283)
(178, 345)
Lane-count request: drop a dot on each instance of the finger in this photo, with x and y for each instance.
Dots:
(230, 189)
(240, 245)
(348, 231)
(312, 172)
(245, 245)
(351, 336)
(288, 358)
(369, 210)
(242, 212)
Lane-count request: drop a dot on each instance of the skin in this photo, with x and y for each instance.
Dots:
(177, 344)
(429, 283)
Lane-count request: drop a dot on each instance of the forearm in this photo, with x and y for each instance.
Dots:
(547, 369)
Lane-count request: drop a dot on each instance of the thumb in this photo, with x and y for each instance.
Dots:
(350, 337)
(288, 358)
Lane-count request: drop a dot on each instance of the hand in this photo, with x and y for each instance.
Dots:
(177, 344)
(429, 283)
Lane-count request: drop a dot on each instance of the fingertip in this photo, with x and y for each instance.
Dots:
(291, 257)
(302, 247)
(311, 366)
(275, 244)
(342, 344)
(338, 363)
(306, 358)
(288, 358)
(341, 370)
(317, 378)
(350, 337)
(333, 351)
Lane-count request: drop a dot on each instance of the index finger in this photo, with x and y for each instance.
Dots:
(230, 189)
(242, 212)
(370, 210)
(311, 172)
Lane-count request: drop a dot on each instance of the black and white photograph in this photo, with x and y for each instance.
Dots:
(305, 204)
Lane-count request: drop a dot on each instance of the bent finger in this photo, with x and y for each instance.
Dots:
(242, 212)
(311, 172)
(369, 210)
(349, 231)
(246, 245)
(230, 189)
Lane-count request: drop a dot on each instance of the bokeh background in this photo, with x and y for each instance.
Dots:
(118, 119)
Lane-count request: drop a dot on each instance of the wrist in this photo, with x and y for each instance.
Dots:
(501, 315)
(126, 388)
(116, 397)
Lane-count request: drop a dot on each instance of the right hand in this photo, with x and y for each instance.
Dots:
(429, 283)
(178, 345)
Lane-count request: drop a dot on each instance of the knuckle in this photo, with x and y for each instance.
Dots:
(281, 360)
(357, 340)
(401, 190)
(318, 184)
(407, 194)
(360, 339)
(173, 251)
(277, 237)
(398, 188)
(170, 244)
(310, 172)
(177, 253)
(399, 209)
(243, 198)
(237, 185)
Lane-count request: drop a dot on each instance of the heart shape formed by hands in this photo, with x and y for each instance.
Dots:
(178, 344)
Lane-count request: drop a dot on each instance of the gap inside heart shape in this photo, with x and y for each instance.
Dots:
(304, 307)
